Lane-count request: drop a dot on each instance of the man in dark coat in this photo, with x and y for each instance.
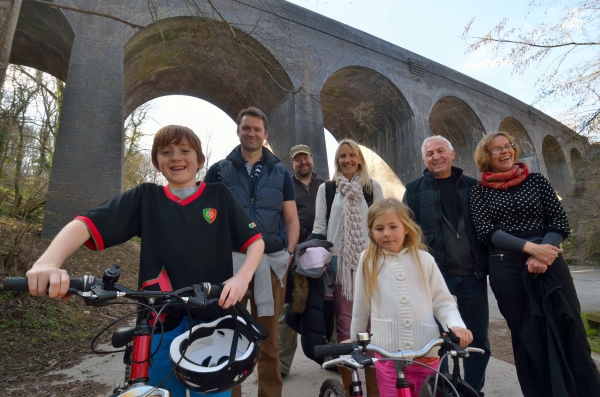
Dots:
(440, 202)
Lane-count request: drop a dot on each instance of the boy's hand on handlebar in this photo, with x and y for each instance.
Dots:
(466, 337)
(42, 277)
(233, 291)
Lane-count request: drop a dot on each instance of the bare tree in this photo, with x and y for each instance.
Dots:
(28, 122)
(572, 47)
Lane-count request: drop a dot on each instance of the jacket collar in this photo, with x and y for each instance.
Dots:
(429, 177)
(268, 158)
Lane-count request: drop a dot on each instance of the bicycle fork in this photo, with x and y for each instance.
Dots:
(402, 385)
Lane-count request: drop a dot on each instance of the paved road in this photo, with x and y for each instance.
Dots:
(306, 376)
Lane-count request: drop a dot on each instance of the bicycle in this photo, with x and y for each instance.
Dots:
(239, 360)
(450, 385)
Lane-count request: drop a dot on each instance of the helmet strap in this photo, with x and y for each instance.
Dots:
(257, 330)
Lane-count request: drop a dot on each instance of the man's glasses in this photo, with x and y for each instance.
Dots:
(499, 149)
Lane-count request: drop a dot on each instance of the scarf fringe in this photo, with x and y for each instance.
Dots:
(353, 242)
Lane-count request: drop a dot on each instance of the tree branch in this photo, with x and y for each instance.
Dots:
(22, 70)
(536, 45)
(100, 14)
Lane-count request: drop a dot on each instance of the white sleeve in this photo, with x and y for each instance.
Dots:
(360, 310)
(445, 309)
(320, 225)
(377, 191)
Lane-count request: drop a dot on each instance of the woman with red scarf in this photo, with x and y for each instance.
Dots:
(519, 216)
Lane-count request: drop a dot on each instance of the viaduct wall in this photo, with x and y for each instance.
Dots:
(307, 72)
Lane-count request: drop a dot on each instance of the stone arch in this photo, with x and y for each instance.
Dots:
(197, 57)
(456, 121)
(528, 154)
(362, 104)
(577, 162)
(556, 165)
(577, 165)
(43, 40)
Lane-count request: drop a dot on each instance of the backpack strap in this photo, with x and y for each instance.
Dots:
(329, 196)
(368, 196)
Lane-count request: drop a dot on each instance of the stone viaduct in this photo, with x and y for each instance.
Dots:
(307, 73)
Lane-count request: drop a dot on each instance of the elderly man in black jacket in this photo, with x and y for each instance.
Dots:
(440, 202)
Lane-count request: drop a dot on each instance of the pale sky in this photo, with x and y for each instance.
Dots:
(430, 28)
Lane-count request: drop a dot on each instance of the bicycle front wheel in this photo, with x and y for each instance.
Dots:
(332, 388)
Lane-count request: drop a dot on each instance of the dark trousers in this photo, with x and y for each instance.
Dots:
(472, 301)
(506, 280)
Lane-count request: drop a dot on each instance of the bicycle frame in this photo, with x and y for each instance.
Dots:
(137, 360)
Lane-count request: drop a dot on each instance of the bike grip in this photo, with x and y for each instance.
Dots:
(334, 350)
(19, 284)
(15, 284)
(216, 289)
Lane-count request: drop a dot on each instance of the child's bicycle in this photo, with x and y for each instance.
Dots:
(438, 385)
(220, 354)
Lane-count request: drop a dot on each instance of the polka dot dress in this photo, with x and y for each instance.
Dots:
(531, 205)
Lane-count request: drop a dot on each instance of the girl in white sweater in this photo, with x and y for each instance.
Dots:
(403, 290)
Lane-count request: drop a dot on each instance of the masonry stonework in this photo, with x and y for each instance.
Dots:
(307, 72)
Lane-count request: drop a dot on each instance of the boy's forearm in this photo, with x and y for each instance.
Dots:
(64, 244)
(254, 254)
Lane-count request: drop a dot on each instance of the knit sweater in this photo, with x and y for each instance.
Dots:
(402, 306)
(333, 230)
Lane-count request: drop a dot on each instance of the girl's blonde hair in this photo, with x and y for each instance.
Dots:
(413, 241)
(362, 170)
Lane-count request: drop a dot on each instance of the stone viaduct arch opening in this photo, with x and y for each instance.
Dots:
(456, 121)
(43, 40)
(198, 57)
(556, 166)
(364, 105)
(577, 165)
(528, 154)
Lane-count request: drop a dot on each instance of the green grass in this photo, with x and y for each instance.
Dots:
(593, 335)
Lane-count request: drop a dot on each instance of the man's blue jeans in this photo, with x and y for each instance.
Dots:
(472, 300)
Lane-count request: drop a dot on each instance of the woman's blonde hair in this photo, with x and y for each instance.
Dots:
(362, 170)
(413, 241)
(483, 157)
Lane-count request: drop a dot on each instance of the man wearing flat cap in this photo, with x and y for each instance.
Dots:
(306, 184)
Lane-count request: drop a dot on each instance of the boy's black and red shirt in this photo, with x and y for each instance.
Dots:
(184, 241)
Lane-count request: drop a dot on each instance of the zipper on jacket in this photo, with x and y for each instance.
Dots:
(467, 226)
(500, 255)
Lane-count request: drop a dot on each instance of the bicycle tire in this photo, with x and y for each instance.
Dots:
(332, 388)
(443, 389)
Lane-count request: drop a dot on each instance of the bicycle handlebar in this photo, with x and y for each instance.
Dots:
(98, 291)
(356, 349)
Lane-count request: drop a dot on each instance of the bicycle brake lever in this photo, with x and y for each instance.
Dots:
(198, 298)
(97, 296)
(361, 358)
